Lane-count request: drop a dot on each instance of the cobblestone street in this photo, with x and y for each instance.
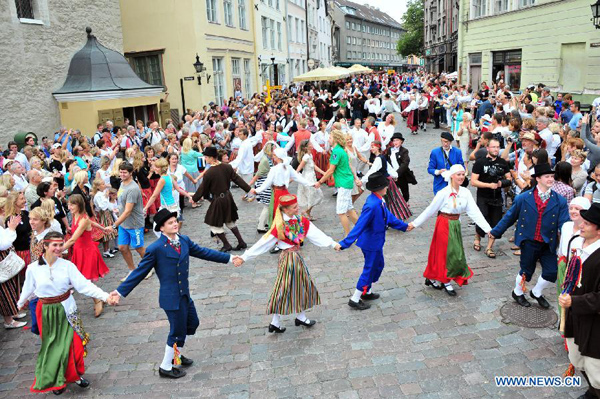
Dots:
(415, 342)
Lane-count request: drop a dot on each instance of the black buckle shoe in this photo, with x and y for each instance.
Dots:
(432, 284)
(541, 300)
(226, 249)
(240, 247)
(173, 373)
(521, 300)
(360, 305)
(369, 297)
(305, 324)
(261, 231)
(450, 292)
(274, 329)
(185, 362)
(83, 383)
(275, 250)
(59, 391)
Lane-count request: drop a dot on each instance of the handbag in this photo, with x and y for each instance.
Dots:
(465, 183)
(10, 266)
(97, 233)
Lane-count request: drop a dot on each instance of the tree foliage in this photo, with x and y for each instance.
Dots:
(411, 42)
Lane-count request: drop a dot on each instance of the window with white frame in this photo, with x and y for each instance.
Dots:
(347, 25)
(263, 25)
(228, 12)
(349, 54)
(25, 9)
(247, 78)
(218, 80)
(302, 31)
(348, 40)
(211, 10)
(272, 32)
(479, 8)
(526, 3)
(289, 28)
(297, 30)
(236, 74)
(270, 3)
(277, 4)
(500, 6)
(279, 36)
(242, 14)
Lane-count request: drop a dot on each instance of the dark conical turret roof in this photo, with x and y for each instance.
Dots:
(96, 68)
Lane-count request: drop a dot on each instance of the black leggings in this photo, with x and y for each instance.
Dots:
(491, 213)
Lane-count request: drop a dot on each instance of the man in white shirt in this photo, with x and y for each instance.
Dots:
(18, 156)
(154, 135)
(18, 173)
(541, 124)
(244, 162)
(362, 141)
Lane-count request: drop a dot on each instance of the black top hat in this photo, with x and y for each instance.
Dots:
(592, 215)
(161, 218)
(397, 135)
(211, 152)
(377, 181)
(447, 136)
(542, 169)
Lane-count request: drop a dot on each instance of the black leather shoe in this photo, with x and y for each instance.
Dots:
(430, 283)
(240, 247)
(261, 231)
(541, 300)
(173, 373)
(360, 305)
(450, 292)
(274, 329)
(305, 324)
(521, 300)
(275, 250)
(185, 362)
(369, 297)
(226, 249)
(83, 383)
(59, 391)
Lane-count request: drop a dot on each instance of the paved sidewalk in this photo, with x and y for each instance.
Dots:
(414, 342)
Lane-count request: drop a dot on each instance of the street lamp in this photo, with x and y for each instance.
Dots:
(198, 65)
(596, 14)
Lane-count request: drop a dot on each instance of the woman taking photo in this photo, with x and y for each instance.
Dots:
(51, 278)
(11, 288)
(85, 253)
(189, 160)
(447, 261)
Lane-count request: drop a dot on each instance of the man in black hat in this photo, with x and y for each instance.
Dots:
(540, 214)
(370, 230)
(170, 257)
(582, 326)
(398, 157)
(441, 159)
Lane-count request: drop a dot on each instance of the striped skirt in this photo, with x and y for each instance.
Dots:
(106, 218)
(322, 161)
(10, 291)
(396, 203)
(264, 197)
(294, 291)
(447, 259)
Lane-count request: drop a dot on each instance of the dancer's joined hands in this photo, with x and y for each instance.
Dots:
(113, 298)
(237, 260)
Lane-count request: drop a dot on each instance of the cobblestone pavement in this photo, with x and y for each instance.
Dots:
(414, 342)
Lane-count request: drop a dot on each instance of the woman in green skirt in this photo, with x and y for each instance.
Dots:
(51, 278)
(446, 261)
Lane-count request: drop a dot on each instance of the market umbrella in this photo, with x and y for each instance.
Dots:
(321, 74)
(357, 68)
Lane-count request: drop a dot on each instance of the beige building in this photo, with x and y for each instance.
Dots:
(39, 37)
(162, 37)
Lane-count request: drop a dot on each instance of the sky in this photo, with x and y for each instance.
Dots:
(394, 8)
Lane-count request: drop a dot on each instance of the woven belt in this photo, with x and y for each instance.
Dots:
(280, 187)
(451, 216)
(55, 299)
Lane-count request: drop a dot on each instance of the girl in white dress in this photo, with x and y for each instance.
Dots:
(446, 261)
(308, 196)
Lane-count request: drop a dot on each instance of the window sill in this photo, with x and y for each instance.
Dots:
(29, 21)
(214, 22)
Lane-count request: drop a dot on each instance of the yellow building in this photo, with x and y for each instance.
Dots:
(162, 37)
(101, 86)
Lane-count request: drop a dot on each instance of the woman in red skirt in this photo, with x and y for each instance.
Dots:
(51, 278)
(85, 254)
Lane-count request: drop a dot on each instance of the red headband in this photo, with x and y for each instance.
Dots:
(288, 200)
(54, 240)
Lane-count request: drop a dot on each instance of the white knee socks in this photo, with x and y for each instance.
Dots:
(276, 320)
(166, 363)
(518, 288)
(539, 287)
(356, 296)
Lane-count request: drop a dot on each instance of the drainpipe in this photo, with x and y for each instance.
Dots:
(307, 34)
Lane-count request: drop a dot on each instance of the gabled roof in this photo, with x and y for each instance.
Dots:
(366, 12)
(96, 68)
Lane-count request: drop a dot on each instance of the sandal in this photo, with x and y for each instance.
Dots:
(511, 239)
(517, 253)
(514, 248)
(477, 245)
(490, 253)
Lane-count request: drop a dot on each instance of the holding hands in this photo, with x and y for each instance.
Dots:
(337, 247)
(410, 227)
(237, 260)
(113, 298)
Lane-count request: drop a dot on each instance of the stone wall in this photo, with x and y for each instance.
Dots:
(36, 56)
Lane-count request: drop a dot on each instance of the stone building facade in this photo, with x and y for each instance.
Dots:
(441, 34)
(39, 37)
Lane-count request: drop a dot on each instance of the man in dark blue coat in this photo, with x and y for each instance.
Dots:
(170, 257)
(441, 159)
(539, 214)
(370, 230)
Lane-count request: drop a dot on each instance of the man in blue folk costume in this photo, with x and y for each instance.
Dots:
(170, 257)
(370, 233)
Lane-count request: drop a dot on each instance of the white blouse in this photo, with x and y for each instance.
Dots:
(443, 202)
(267, 242)
(566, 233)
(7, 237)
(375, 166)
(44, 281)
(282, 175)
